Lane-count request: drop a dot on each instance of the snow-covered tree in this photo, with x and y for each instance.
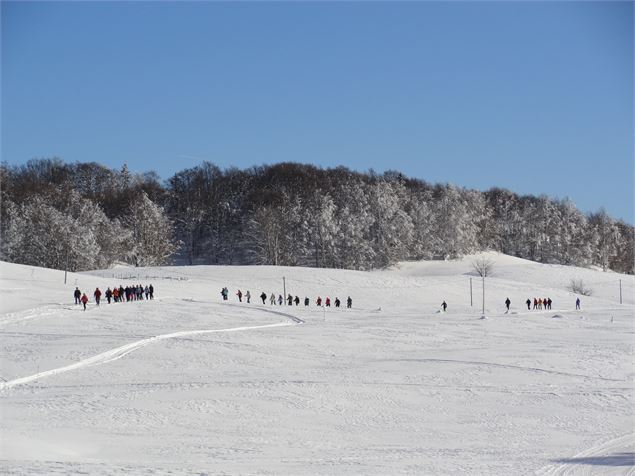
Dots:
(455, 229)
(392, 229)
(152, 242)
(605, 235)
(41, 235)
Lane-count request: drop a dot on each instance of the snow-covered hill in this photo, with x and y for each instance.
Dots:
(189, 384)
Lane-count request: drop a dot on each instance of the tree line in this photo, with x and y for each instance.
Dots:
(87, 216)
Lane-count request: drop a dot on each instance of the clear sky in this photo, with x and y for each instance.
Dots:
(536, 97)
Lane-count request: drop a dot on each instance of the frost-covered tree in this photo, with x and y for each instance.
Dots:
(152, 242)
(505, 224)
(41, 235)
(455, 229)
(287, 213)
(67, 232)
(605, 236)
(355, 221)
(568, 235)
(624, 261)
(266, 236)
(392, 230)
(322, 230)
(422, 215)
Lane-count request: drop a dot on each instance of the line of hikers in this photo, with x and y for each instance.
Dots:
(539, 303)
(290, 299)
(117, 294)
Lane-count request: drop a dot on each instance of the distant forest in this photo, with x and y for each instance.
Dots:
(84, 216)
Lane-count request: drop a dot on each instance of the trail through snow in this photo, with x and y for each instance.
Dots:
(122, 351)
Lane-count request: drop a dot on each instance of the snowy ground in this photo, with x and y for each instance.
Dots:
(187, 384)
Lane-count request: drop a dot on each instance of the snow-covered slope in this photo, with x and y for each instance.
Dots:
(189, 384)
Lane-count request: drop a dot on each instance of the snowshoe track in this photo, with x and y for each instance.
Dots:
(119, 352)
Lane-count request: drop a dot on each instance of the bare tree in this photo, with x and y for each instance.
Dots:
(483, 266)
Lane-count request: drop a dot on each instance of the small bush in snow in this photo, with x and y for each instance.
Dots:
(578, 287)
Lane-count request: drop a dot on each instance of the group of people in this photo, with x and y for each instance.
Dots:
(134, 292)
(539, 303)
(290, 301)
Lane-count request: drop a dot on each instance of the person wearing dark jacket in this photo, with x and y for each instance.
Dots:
(77, 294)
(507, 303)
(97, 295)
(263, 296)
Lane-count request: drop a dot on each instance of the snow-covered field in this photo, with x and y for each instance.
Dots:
(188, 384)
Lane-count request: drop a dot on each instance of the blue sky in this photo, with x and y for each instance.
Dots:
(536, 97)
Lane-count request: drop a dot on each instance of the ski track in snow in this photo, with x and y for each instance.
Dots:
(119, 352)
(20, 316)
(616, 453)
(505, 366)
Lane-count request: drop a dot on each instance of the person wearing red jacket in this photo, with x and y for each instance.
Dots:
(84, 300)
(97, 295)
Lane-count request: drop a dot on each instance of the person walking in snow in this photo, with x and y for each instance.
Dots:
(240, 295)
(272, 299)
(319, 301)
(280, 300)
(444, 306)
(349, 302)
(296, 300)
(97, 295)
(535, 303)
(337, 302)
(84, 300)
(263, 296)
(146, 290)
(289, 300)
(549, 301)
(151, 289)
(577, 303)
(248, 296)
(528, 304)
(507, 303)
(108, 294)
(306, 301)
(328, 301)
(77, 294)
